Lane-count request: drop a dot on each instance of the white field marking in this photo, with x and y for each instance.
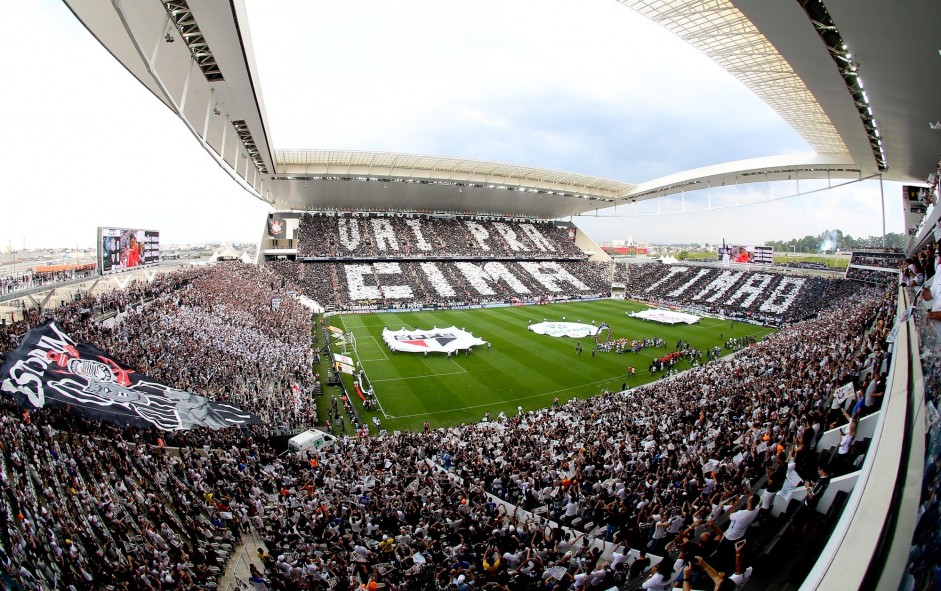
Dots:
(378, 348)
(374, 393)
(456, 363)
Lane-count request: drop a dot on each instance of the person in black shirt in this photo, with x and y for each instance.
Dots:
(777, 474)
(640, 564)
(815, 490)
(805, 457)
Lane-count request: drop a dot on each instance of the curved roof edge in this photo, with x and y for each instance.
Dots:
(196, 57)
(754, 170)
(721, 31)
(442, 169)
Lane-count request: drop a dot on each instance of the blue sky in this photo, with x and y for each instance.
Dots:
(585, 86)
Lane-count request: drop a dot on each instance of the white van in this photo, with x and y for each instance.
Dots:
(312, 439)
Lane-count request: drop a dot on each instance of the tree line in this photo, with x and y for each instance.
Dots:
(834, 240)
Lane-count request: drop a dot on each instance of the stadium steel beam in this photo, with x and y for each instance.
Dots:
(160, 43)
(779, 168)
(738, 203)
(207, 63)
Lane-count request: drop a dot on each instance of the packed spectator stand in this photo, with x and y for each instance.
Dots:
(418, 236)
(752, 296)
(875, 267)
(428, 284)
(808, 265)
(32, 279)
(91, 505)
(874, 276)
(192, 330)
(924, 560)
(880, 259)
(372, 262)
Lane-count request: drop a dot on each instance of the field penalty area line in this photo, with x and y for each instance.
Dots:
(378, 348)
(457, 364)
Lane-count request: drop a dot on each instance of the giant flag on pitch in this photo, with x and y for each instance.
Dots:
(49, 368)
(436, 340)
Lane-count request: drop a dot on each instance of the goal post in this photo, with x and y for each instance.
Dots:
(348, 343)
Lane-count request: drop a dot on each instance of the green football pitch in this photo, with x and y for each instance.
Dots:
(521, 368)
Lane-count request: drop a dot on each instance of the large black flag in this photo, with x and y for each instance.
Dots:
(49, 368)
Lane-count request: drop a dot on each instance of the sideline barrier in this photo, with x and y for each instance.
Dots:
(869, 545)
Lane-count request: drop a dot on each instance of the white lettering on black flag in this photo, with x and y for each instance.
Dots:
(50, 369)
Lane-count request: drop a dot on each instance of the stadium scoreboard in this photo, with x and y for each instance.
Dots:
(748, 255)
(122, 249)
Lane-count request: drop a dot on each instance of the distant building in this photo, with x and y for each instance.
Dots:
(625, 247)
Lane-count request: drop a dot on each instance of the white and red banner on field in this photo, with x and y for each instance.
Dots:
(436, 340)
(665, 316)
(574, 330)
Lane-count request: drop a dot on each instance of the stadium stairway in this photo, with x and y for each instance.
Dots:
(237, 570)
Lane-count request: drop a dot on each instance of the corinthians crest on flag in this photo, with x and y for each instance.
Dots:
(436, 340)
(50, 369)
(277, 228)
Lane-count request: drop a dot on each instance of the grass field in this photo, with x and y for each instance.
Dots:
(840, 262)
(521, 369)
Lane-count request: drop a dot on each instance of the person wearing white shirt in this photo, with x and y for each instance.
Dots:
(740, 520)
(931, 295)
(661, 578)
(618, 556)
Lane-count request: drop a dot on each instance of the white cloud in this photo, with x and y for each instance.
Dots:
(407, 73)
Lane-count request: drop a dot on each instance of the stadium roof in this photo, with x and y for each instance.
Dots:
(329, 162)
(807, 59)
(757, 170)
(452, 184)
(723, 32)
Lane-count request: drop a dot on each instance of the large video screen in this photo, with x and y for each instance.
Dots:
(746, 255)
(121, 249)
